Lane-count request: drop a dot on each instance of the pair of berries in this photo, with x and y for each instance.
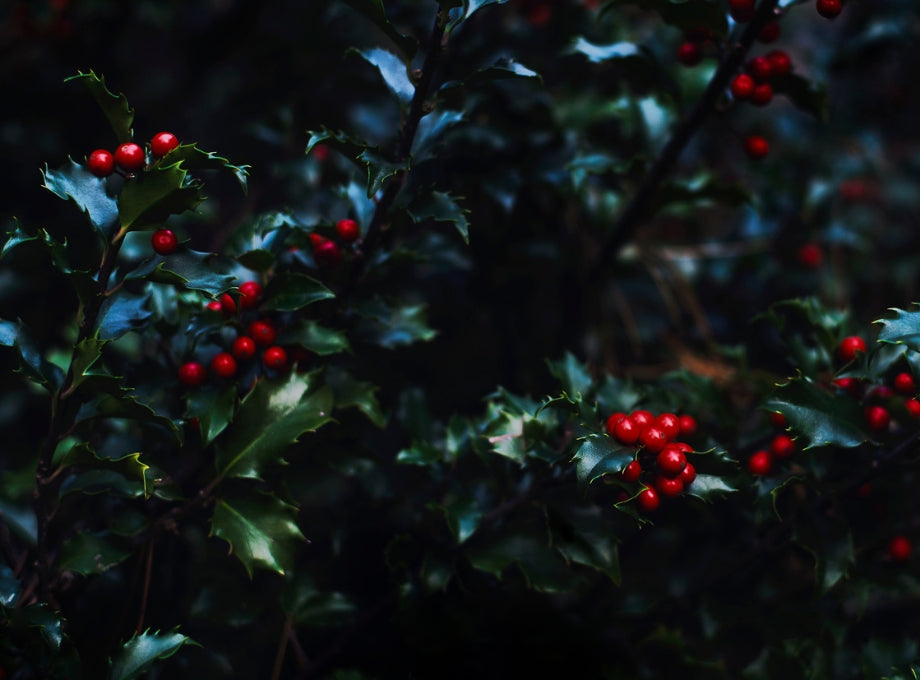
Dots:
(250, 297)
(326, 251)
(760, 464)
(130, 156)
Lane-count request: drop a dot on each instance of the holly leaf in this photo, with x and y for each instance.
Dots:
(122, 312)
(707, 486)
(600, 53)
(130, 466)
(393, 71)
(32, 362)
(191, 269)
(374, 11)
(271, 417)
(315, 337)
(598, 455)
(309, 606)
(394, 326)
(138, 654)
(379, 167)
(289, 292)
(214, 410)
(902, 329)
(461, 10)
(91, 553)
(87, 191)
(115, 107)
(260, 529)
(441, 207)
(153, 196)
(823, 418)
(190, 157)
(350, 392)
(572, 374)
(805, 94)
(582, 535)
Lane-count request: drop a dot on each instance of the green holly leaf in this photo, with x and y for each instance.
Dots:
(441, 207)
(502, 69)
(463, 516)
(115, 107)
(830, 543)
(374, 11)
(214, 409)
(122, 312)
(805, 94)
(598, 455)
(123, 405)
(902, 329)
(350, 392)
(431, 131)
(600, 53)
(575, 379)
(706, 487)
(393, 71)
(379, 167)
(309, 606)
(260, 529)
(138, 654)
(87, 191)
(130, 466)
(190, 157)
(32, 362)
(272, 416)
(825, 419)
(461, 10)
(92, 553)
(87, 352)
(289, 292)
(191, 269)
(315, 337)
(393, 326)
(582, 535)
(154, 195)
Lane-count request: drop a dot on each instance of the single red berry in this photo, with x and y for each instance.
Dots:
(769, 33)
(130, 157)
(653, 438)
(611, 423)
(250, 294)
(760, 463)
(671, 461)
(689, 53)
(164, 241)
(913, 407)
(778, 420)
(227, 304)
(162, 143)
(631, 472)
(742, 86)
(687, 425)
(275, 358)
(904, 383)
(192, 374)
(262, 332)
(877, 418)
(348, 230)
(224, 365)
(244, 348)
(648, 500)
(810, 255)
(762, 94)
(670, 424)
(641, 417)
(880, 393)
(687, 475)
(669, 487)
(320, 152)
(782, 446)
(756, 147)
(760, 69)
(899, 548)
(215, 306)
(626, 431)
(829, 8)
(327, 253)
(682, 446)
(741, 10)
(101, 162)
(849, 347)
(780, 63)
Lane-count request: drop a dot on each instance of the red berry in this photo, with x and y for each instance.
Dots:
(760, 68)
(877, 418)
(780, 63)
(741, 10)
(880, 393)
(756, 147)
(192, 374)
(348, 230)
(162, 143)
(829, 8)
(671, 461)
(849, 347)
(687, 425)
(769, 33)
(904, 383)
(689, 54)
(913, 407)
(164, 241)
(641, 417)
(653, 438)
(688, 474)
(899, 548)
(683, 446)
(742, 86)
(327, 253)
(648, 500)
(762, 94)
(227, 304)
(670, 424)
(626, 431)
(262, 332)
(778, 420)
(130, 157)
(810, 255)
(631, 472)
(611, 423)
(782, 446)
(244, 348)
(669, 486)
(101, 162)
(215, 306)
(250, 294)
(275, 358)
(224, 365)
(760, 463)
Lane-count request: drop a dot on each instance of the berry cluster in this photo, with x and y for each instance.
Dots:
(761, 462)
(259, 336)
(660, 465)
(328, 252)
(130, 157)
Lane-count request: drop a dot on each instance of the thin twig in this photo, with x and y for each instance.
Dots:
(146, 589)
(282, 645)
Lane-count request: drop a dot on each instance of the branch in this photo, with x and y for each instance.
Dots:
(638, 209)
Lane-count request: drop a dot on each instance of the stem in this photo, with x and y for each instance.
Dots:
(146, 591)
(639, 208)
(282, 646)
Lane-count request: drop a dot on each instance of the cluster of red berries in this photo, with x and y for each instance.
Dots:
(260, 335)
(660, 465)
(328, 252)
(760, 464)
(130, 157)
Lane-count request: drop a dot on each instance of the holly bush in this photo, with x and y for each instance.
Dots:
(498, 338)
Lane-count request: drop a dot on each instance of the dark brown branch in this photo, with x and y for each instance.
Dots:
(638, 209)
